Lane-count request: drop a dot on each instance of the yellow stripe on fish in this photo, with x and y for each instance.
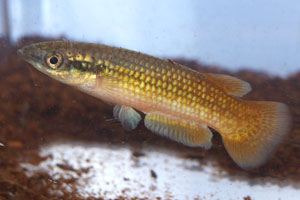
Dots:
(179, 103)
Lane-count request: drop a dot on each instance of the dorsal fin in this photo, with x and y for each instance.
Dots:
(230, 84)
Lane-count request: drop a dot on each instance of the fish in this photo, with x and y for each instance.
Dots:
(179, 103)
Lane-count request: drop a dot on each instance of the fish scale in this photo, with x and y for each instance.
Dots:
(178, 102)
(171, 87)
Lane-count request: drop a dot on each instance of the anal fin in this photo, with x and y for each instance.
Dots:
(231, 85)
(190, 134)
(128, 117)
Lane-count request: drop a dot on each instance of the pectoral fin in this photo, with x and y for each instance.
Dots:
(190, 134)
(127, 116)
(229, 84)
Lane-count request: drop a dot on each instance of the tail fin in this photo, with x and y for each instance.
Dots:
(252, 145)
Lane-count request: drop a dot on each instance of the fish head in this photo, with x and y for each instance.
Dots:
(61, 60)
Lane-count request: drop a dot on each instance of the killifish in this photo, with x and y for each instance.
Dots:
(178, 102)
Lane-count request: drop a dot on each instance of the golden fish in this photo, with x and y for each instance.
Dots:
(179, 103)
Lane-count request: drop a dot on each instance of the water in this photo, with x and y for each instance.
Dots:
(56, 142)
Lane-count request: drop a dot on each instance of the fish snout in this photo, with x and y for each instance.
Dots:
(20, 52)
(28, 53)
(24, 53)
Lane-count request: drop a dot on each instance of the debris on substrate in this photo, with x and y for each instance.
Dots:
(36, 110)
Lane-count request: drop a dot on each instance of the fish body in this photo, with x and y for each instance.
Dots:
(178, 102)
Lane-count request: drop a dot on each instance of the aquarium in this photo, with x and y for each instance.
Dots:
(194, 120)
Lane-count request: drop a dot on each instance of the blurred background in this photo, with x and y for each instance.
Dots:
(255, 34)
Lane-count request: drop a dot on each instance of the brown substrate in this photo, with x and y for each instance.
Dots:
(36, 110)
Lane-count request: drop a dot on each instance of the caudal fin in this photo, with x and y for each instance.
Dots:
(252, 145)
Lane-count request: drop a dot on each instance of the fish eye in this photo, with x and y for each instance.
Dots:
(54, 60)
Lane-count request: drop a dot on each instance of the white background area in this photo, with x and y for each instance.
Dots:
(114, 172)
(258, 34)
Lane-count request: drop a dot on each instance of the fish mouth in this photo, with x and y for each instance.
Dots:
(27, 55)
(20, 53)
